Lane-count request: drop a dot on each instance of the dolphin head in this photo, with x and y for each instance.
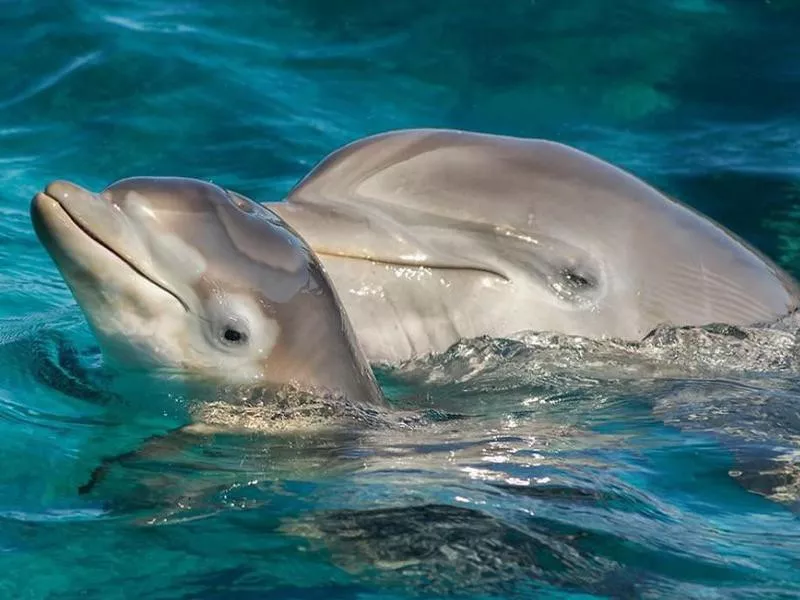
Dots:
(182, 276)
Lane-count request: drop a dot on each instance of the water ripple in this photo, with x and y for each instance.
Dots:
(49, 81)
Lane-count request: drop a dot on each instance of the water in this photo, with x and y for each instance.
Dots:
(538, 467)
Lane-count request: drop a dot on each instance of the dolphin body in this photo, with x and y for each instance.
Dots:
(428, 236)
(431, 236)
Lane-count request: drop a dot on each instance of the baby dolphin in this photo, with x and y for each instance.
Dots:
(179, 275)
(431, 236)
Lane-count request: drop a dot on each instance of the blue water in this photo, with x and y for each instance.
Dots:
(580, 470)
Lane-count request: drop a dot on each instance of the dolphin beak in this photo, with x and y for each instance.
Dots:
(65, 212)
(92, 214)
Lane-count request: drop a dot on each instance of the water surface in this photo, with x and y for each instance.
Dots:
(539, 467)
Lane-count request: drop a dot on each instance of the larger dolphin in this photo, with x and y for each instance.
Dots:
(432, 235)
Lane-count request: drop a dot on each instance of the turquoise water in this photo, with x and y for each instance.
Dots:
(578, 470)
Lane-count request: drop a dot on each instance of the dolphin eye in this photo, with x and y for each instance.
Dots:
(234, 337)
(575, 284)
(577, 280)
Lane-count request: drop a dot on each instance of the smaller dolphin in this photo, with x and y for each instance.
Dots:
(180, 276)
(431, 236)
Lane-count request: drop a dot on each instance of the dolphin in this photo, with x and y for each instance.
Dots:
(431, 236)
(185, 278)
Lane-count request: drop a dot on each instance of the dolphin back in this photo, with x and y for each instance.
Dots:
(536, 210)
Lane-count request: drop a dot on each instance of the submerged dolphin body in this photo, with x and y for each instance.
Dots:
(181, 276)
(431, 236)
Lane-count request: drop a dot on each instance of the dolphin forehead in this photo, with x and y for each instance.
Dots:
(212, 238)
(181, 203)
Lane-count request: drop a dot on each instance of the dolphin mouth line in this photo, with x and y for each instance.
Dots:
(99, 241)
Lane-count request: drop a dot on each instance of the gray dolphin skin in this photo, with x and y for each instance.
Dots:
(430, 236)
(181, 276)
